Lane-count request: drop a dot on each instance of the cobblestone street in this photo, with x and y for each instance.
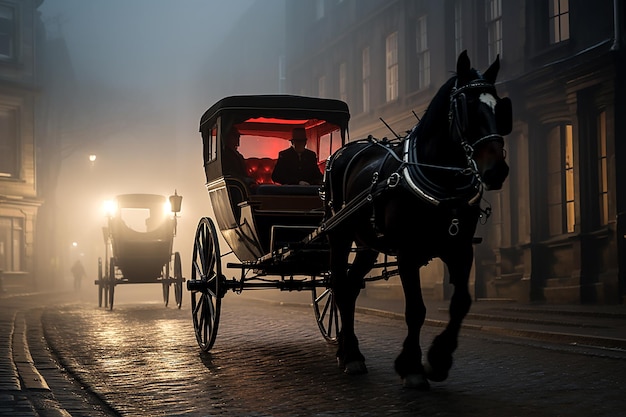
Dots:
(270, 360)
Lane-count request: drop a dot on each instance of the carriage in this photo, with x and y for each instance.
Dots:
(138, 239)
(274, 230)
(412, 198)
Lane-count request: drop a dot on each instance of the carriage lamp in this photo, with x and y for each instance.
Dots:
(175, 202)
(109, 207)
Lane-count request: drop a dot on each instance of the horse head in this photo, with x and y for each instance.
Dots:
(479, 119)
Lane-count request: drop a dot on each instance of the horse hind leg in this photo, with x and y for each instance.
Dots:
(346, 287)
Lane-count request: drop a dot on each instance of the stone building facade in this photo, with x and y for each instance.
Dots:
(557, 230)
(20, 28)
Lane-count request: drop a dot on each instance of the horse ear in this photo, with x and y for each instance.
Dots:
(463, 65)
(492, 72)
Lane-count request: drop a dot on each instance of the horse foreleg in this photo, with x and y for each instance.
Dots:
(346, 288)
(439, 358)
(409, 363)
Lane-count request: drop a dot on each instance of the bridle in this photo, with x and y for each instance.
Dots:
(472, 190)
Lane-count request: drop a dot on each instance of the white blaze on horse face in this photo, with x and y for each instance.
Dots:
(489, 100)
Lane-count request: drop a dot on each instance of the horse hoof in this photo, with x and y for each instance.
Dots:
(355, 368)
(435, 375)
(416, 381)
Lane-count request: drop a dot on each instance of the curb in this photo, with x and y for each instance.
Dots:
(31, 382)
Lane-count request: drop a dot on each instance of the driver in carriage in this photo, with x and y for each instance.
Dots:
(297, 165)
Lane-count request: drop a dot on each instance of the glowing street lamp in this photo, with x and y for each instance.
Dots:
(92, 158)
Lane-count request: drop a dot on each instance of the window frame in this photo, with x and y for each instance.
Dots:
(391, 67)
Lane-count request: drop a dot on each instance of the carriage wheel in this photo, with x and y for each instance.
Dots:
(206, 301)
(165, 280)
(111, 282)
(178, 283)
(100, 283)
(326, 314)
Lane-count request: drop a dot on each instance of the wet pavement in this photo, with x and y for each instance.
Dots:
(29, 368)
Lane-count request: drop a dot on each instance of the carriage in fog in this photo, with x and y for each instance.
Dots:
(269, 227)
(411, 198)
(139, 238)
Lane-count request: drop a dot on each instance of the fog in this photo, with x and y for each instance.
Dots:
(136, 77)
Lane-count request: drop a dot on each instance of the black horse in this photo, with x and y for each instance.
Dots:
(416, 199)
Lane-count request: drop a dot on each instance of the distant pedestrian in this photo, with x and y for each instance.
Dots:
(78, 271)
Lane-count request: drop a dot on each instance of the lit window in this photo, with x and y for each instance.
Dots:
(365, 59)
(493, 17)
(7, 32)
(9, 145)
(11, 243)
(559, 20)
(603, 170)
(343, 92)
(423, 54)
(391, 49)
(561, 196)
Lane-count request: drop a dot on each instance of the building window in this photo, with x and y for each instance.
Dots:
(321, 86)
(343, 91)
(365, 63)
(559, 20)
(423, 54)
(493, 17)
(603, 175)
(458, 27)
(9, 144)
(391, 48)
(561, 197)
(7, 32)
(319, 9)
(11, 243)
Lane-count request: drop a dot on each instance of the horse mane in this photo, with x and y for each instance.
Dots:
(439, 106)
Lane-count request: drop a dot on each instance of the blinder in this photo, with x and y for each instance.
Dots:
(504, 116)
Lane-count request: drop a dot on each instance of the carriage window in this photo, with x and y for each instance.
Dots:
(559, 21)
(493, 17)
(209, 138)
(391, 48)
(329, 144)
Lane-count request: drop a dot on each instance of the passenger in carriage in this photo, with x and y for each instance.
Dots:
(233, 162)
(297, 165)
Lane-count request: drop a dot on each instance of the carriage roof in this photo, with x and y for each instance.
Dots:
(279, 106)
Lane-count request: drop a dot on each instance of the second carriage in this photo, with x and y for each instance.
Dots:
(138, 239)
(274, 230)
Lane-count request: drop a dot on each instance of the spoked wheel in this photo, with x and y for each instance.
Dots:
(165, 281)
(100, 283)
(111, 282)
(178, 277)
(326, 314)
(206, 284)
